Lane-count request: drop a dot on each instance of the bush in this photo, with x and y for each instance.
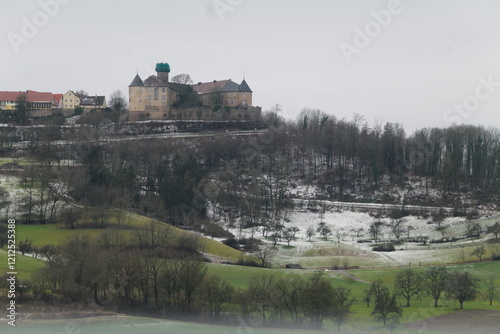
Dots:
(248, 263)
(231, 242)
(384, 248)
(215, 231)
(250, 244)
(495, 257)
(190, 242)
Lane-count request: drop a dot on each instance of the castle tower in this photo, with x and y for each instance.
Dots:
(136, 94)
(162, 71)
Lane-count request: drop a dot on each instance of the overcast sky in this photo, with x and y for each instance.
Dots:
(417, 62)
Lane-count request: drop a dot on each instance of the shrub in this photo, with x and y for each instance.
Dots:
(215, 231)
(248, 263)
(384, 248)
(231, 242)
(190, 242)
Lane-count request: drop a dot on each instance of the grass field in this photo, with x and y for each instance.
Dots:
(25, 265)
(52, 234)
(422, 306)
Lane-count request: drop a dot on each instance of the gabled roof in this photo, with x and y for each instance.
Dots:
(56, 99)
(221, 86)
(179, 88)
(154, 81)
(137, 82)
(31, 96)
(92, 100)
(209, 87)
(230, 86)
(10, 96)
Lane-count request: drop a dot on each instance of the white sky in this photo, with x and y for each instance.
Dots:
(428, 58)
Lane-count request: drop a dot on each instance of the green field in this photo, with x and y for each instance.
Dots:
(25, 265)
(422, 306)
(52, 234)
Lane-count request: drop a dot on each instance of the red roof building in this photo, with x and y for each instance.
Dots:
(35, 100)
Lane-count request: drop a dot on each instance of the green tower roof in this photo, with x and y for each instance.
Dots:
(163, 67)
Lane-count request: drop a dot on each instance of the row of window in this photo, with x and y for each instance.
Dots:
(30, 104)
(163, 97)
(163, 104)
(234, 94)
(233, 102)
(150, 89)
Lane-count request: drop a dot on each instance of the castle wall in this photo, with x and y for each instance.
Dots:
(197, 113)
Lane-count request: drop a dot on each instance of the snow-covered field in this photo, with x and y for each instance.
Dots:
(11, 185)
(351, 226)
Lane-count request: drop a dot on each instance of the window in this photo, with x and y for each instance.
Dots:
(157, 93)
(163, 104)
(149, 97)
(163, 98)
(244, 102)
(244, 94)
(163, 90)
(140, 100)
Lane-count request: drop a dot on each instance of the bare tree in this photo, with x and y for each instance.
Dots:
(342, 302)
(117, 101)
(375, 230)
(25, 246)
(479, 252)
(310, 232)
(386, 305)
(408, 284)
(265, 254)
(182, 78)
(438, 218)
(494, 229)
(462, 286)
(324, 230)
(397, 227)
(216, 295)
(492, 291)
(288, 236)
(435, 282)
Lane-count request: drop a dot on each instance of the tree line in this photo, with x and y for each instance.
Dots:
(246, 180)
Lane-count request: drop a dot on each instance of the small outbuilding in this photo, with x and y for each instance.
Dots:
(293, 266)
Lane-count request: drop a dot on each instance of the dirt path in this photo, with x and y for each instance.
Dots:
(351, 276)
(301, 250)
(385, 256)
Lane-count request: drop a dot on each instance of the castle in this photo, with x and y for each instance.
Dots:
(157, 98)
